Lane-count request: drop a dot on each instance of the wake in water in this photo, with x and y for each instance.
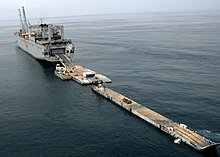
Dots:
(210, 135)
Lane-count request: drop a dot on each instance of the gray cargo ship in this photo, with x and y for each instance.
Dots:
(43, 41)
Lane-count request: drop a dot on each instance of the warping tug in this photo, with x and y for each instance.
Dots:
(43, 41)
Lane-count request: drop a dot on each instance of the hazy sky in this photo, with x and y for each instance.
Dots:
(50, 8)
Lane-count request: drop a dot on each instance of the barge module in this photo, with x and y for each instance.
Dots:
(78, 73)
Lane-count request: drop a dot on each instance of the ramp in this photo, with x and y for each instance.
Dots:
(66, 61)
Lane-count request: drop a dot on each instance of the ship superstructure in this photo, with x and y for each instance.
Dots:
(43, 41)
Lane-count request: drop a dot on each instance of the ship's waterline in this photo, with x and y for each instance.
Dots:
(43, 41)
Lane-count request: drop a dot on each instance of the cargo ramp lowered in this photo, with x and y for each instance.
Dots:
(65, 61)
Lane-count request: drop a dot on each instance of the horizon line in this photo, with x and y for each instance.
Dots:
(100, 14)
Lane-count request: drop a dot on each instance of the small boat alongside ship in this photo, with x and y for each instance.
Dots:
(43, 41)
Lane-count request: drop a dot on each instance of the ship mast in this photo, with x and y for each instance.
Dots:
(25, 20)
(22, 24)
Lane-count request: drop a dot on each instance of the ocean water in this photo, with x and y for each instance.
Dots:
(167, 62)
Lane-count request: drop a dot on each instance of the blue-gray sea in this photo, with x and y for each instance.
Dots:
(167, 62)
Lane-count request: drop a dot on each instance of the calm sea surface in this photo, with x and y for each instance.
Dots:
(169, 63)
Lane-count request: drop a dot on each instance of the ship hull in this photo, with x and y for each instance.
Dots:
(35, 50)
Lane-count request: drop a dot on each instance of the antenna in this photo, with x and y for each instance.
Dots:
(22, 25)
(25, 20)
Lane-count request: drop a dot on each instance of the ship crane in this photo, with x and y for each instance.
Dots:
(21, 21)
(25, 20)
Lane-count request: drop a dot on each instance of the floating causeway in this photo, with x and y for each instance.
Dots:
(177, 130)
(85, 76)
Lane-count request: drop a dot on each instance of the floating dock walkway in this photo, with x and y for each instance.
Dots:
(86, 76)
(179, 131)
